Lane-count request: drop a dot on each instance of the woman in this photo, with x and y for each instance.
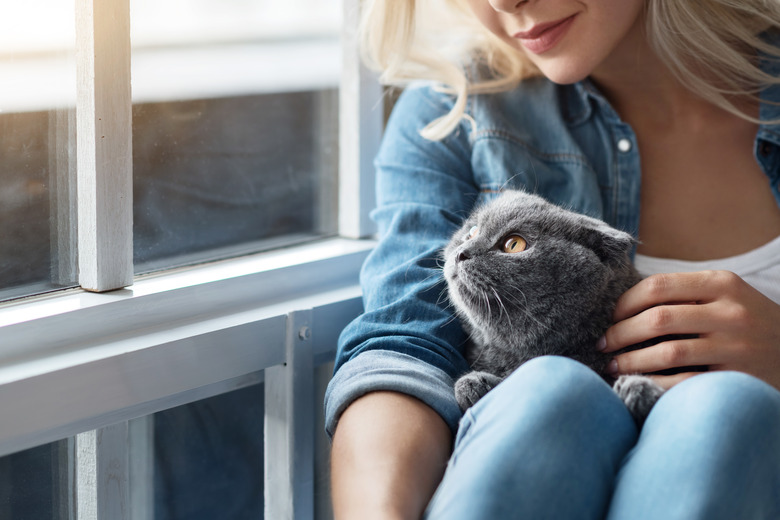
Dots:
(572, 99)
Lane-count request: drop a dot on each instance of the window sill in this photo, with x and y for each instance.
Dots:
(75, 361)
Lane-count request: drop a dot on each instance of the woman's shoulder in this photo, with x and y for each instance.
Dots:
(420, 103)
(428, 95)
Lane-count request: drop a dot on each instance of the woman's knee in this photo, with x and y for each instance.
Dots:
(550, 389)
(551, 377)
(713, 435)
(724, 398)
(552, 421)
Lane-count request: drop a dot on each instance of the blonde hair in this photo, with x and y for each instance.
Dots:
(709, 45)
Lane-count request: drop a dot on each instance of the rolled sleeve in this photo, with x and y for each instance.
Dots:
(391, 371)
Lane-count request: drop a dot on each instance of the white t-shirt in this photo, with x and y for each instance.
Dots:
(759, 267)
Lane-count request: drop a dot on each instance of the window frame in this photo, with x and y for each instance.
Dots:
(94, 362)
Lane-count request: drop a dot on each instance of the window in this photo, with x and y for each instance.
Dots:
(234, 134)
(37, 124)
(34, 482)
(217, 437)
(235, 127)
(127, 312)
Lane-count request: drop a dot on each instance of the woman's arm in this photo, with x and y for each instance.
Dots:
(390, 406)
(389, 454)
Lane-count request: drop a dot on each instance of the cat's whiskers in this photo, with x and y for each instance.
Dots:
(487, 302)
(481, 326)
(509, 180)
(502, 308)
(444, 298)
(523, 307)
(437, 273)
(479, 356)
(449, 321)
(478, 282)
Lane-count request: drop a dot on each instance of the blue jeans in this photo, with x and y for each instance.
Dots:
(554, 441)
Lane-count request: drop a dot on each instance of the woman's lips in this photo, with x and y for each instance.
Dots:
(544, 36)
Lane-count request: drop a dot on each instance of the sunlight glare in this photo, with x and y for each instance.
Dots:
(34, 26)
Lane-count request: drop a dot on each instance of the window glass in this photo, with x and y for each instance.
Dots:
(234, 126)
(37, 149)
(35, 483)
(209, 458)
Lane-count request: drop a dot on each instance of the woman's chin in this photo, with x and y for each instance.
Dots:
(565, 74)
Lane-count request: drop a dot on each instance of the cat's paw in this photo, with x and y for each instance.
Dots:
(639, 393)
(470, 388)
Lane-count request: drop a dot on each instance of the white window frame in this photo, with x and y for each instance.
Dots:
(92, 364)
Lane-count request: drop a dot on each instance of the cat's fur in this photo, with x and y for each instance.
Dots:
(554, 298)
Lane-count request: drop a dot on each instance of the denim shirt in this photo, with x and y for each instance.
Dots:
(564, 142)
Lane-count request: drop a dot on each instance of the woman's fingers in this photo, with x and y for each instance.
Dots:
(673, 353)
(661, 289)
(660, 321)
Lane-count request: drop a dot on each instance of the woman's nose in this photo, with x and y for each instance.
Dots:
(506, 6)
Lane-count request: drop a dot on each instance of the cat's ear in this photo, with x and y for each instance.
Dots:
(608, 243)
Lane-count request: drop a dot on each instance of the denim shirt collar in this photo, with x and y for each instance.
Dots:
(767, 144)
(578, 107)
(581, 99)
(770, 96)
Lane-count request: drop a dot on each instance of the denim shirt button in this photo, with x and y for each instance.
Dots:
(624, 145)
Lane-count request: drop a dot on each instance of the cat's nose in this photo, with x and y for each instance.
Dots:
(463, 256)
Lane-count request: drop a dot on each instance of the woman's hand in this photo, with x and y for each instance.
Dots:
(733, 327)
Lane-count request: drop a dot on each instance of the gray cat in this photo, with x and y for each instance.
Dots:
(529, 279)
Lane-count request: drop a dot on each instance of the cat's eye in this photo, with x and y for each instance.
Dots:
(472, 232)
(514, 244)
